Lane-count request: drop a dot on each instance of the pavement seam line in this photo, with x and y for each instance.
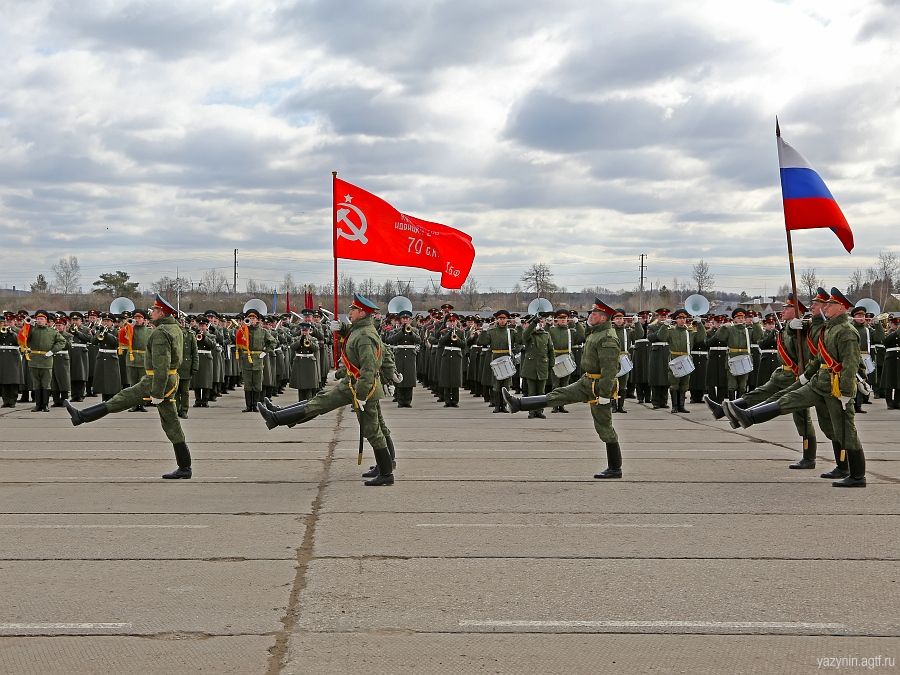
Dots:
(278, 652)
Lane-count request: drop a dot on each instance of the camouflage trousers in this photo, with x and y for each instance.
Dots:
(371, 422)
(837, 421)
(773, 390)
(138, 394)
(582, 391)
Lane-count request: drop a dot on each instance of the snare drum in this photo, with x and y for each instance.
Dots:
(682, 366)
(868, 363)
(625, 365)
(564, 365)
(503, 367)
(740, 365)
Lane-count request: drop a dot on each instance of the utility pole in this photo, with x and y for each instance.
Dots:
(641, 288)
(234, 286)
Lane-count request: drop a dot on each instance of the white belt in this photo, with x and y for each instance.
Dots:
(892, 349)
(700, 353)
(452, 349)
(718, 349)
(768, 351)
(657, 344)
(278, 349)
(204, 351)
(77, 344)
(405, 346)
(752, 346)
(107, 351)
(10, 348)
(641, 340)
(307, 356)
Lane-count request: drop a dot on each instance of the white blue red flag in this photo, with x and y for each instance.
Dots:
(808, 203)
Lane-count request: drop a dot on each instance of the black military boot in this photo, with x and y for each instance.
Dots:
(682, 399)
(25, 398)
(621, 405)
(674, 393)
(856, 461)
(373, 470)
(45, 400)
(183, 458)
(295, 414)
(715, 408)
(758, 414)
(247, 405)
(809, 455)
(384, 467)
(858, 404)
(614, 462)
(36, 397)
(841, 469)
(517, 403)
(89, 414)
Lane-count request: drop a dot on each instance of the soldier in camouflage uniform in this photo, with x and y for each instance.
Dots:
(537, 361)
(43, 343)
(163, 354)
(597, 386)
(362, 356)
(828, 384)
(501, 339)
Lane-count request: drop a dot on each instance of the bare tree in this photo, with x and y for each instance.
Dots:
(539, 279)
(213, 282)
(257, 289)
(469, 292)
(66, 276)
(288, 285)
(346, 286)
(703, 277)
(167, 286)
(856, 282)
(887, 269)
(809, 282)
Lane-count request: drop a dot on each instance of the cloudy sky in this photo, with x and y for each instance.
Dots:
(149, 136)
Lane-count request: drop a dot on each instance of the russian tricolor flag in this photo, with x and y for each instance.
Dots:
(808, 203)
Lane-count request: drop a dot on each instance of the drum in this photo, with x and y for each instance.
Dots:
(564, 365)
(503, 367)
(625, 365)
(868, 363)
(682, 366)
(740, 365)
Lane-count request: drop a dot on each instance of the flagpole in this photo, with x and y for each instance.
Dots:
(334, 255)
(790, 249)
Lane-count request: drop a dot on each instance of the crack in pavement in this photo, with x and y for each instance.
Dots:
(278, 653)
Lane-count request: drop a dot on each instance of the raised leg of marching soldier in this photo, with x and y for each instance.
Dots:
(164, 353)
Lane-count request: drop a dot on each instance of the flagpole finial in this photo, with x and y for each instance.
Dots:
(777, 128)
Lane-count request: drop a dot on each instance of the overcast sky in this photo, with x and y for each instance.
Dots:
(146, 136)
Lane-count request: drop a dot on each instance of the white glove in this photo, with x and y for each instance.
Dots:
(48, 354)
(262, 356)
(756, 319)
(362, 405)
(388, 388)
(397, 377)
(795, 324)
(156, 401)
(803, 378)
(335, 325)
(845, 400)
(635, 319)
(603, 401)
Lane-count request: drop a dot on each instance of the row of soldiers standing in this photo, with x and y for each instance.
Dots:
(99, 354)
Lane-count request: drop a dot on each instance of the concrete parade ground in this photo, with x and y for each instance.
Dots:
(496, 550)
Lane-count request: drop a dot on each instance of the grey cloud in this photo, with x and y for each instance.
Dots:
(355, 110)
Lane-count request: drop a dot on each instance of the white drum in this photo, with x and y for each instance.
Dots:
(740, 365)
(625, 365)
(503, 367)
(868, 363)
(682, 366)
(564, 365)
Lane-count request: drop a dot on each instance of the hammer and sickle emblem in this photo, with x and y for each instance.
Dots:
(343, 217)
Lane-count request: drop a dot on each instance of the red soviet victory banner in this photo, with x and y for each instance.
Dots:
(368, 228)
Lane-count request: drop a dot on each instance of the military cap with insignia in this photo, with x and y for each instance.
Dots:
(839, 298)
(662, 311)
(163, 305)
(404, 312)
(679, 312)
(42, 312)
(76, 315)
(856, 311)
(792, 302)
(600, 306)
(821, 295)
(362, 303)
(501, 312)
(738, 311)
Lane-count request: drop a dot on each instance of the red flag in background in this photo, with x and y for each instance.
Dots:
(287, 301)
(368, 228)
(308, 300)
